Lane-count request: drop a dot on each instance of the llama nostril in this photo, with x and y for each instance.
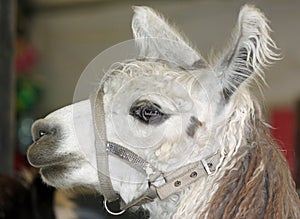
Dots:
(42, 128)
(42, 133)
(39, 134)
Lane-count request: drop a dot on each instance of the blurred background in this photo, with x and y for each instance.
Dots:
(46, 44)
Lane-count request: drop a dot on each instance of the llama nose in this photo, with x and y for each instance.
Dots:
(41, 128)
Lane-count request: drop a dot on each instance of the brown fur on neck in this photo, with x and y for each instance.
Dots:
(246, 192)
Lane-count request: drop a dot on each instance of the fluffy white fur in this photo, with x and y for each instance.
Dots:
(216, 95)
(155, 38)
(251, 35)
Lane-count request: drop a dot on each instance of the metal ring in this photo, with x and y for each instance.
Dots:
(111, 212)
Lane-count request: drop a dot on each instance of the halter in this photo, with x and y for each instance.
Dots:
(160, 185)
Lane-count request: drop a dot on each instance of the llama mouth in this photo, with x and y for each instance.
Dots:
(42, 155)
(53, 170)
(52, 162)
(51, 174)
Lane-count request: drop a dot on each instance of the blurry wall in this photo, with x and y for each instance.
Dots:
(68, 38)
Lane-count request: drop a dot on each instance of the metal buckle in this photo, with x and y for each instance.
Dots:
(206, 167)
(157, 180)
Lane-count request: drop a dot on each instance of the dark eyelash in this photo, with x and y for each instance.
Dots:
(147, 112)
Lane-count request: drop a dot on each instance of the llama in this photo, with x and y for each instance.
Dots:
(169, 131)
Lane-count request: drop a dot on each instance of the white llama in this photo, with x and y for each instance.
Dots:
(168, 131)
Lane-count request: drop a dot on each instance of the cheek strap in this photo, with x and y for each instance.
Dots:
(105, 185)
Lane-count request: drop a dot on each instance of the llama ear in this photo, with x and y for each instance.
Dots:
(157, 39)
(251, 51)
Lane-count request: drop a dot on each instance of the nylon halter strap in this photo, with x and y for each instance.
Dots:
(106, 188)
(160, 185)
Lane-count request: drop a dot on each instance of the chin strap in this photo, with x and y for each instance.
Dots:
(160, 185)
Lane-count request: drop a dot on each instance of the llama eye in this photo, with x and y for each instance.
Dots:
(147, 112)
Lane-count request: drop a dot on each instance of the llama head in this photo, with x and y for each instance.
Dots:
(167, 106)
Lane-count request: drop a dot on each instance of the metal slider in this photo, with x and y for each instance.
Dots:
(157, 180)
(206, 167)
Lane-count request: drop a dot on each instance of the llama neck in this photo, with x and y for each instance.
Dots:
(251, 165)
(256, 167)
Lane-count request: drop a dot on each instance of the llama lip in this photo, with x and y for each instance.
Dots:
(50, 170)
(54, 172)
(52, 162)
(38, 156)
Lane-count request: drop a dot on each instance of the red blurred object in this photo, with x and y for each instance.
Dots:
(20, 162)
(26, 56)
(284, 132)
